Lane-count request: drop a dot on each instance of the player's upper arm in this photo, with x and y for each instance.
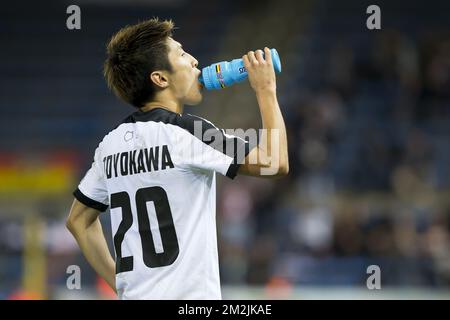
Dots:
(91, 197)
(81, 216)
(92, 191)
(259, 164)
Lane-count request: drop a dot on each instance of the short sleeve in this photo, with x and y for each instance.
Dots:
(206, 147)
(92, 190)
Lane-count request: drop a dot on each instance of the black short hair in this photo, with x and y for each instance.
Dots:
(133, 53)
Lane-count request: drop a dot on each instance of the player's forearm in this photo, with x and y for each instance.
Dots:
(95, 249)
(269, 108)
(274, 143)
(271, 153)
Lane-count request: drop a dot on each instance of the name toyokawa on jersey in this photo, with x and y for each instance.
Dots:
(137, 161)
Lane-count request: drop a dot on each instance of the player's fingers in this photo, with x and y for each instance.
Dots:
(259, 56)
(252, 58)
(246, 61)
(268, 55)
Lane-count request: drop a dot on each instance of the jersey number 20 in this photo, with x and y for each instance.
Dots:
(152, 259)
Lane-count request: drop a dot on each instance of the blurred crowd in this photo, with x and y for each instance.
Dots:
(369, 153)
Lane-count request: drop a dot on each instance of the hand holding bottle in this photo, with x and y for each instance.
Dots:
(260, 70)
(224, 74)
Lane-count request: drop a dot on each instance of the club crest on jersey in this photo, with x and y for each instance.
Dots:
(137, 161)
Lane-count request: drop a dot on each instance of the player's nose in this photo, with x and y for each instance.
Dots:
(194, 62)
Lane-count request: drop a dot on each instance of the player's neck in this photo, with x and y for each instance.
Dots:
(170, 105)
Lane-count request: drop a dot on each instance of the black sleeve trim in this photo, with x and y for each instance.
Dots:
(89, 202)
(233, 170)
(236, 163)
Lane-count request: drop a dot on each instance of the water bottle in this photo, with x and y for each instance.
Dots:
(223, 74)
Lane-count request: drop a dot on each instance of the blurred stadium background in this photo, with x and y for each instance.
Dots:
(368, 116)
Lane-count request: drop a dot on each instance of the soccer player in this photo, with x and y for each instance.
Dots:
(156, 170)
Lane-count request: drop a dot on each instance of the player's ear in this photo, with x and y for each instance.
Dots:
(160, 79)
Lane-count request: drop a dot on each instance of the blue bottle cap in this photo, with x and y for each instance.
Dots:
(276, 60)
(205, 78)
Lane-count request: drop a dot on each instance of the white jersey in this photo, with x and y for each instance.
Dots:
(156, 172)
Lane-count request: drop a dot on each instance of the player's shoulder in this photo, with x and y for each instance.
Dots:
(157, 115)
(191, 125)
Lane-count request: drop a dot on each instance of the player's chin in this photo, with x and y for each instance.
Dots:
(195, 99)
